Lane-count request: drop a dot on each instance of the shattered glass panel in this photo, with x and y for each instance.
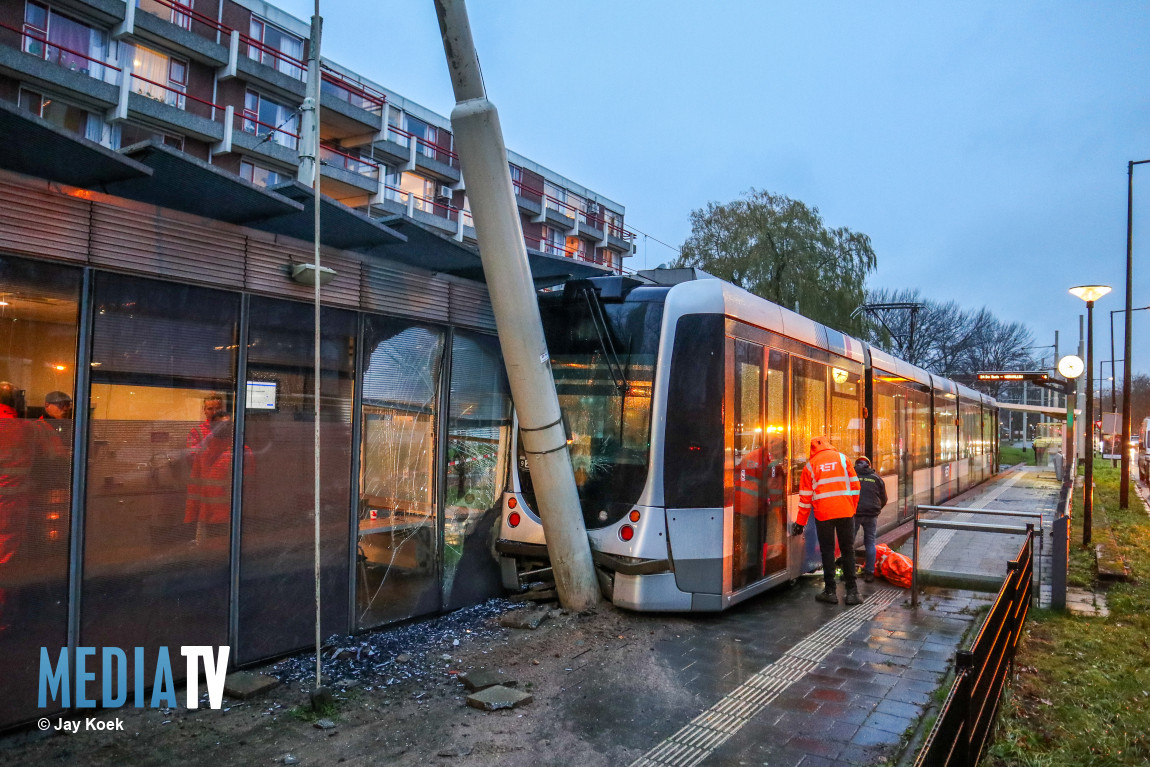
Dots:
(478, 430)
(397, 552)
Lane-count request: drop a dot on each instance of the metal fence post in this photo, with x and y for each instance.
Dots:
(1059, 556)
(914, 564)
(964, 670)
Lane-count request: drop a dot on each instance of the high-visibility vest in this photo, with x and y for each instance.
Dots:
(829, 486)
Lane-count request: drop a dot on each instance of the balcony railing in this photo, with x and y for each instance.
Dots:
(355, 93)
(288, 65)
(571, 211)
(555, 249)
(428, 205)
(338, 159)
(182, 15)
(42, 48)
(424, 147)
(173, 97)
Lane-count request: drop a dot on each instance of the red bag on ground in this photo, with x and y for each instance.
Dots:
(881, 552)
(896, 568)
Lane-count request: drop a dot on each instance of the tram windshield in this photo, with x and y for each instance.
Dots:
(603, 359)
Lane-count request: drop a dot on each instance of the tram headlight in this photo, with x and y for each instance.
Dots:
(626, 532)
(513, 519)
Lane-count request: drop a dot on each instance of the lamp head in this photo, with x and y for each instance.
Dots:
(1090, 292)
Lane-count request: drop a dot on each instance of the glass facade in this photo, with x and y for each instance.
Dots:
(277, 531)
(397, 554)
(157, 526)
(39, 314)
(197, 438)
(478, 433)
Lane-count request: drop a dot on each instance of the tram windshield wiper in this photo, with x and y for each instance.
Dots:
(603, 333)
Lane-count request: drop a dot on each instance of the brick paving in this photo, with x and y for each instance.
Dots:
(863, 701)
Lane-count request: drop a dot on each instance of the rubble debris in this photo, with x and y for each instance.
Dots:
(482, 678)
(247, 684)
(325, 724)
(498, 697)
(289, 759)
(394, 655)
(524, 618)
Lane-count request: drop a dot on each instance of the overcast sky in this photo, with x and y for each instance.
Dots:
(981, 145)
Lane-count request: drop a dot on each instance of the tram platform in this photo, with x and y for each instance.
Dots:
(857, 686)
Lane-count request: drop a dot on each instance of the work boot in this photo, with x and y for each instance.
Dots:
(868, 577)
(830, 597)
(853, 598)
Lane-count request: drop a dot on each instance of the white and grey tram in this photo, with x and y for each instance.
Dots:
(689, 409)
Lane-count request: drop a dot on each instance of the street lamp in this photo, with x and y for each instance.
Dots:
(1124, 485)
(1089, 294)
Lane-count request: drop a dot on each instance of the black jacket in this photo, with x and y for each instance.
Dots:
(872, 493)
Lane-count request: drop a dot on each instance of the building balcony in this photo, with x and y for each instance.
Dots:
(36, 61)
(178, 29)
(349, 108)
(346, 176)
(170, 108)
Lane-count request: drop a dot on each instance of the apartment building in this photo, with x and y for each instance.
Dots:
(156, 340)
(223, 81)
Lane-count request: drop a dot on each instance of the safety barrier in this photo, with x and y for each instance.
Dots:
(963, 727)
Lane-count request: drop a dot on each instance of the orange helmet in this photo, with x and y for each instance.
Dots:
(820, 443)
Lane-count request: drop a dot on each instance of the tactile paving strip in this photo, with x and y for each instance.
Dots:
(710, 729)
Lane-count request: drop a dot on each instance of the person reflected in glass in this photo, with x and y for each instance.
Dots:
(210, 508)
(196, 444)
(51, 472)
(17, 454)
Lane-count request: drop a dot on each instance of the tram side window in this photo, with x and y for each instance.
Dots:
(846, 430)
(808, 413)
(945, 434)
(886, 429)
(919, 402)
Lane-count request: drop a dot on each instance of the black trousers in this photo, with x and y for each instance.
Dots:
(844, 528)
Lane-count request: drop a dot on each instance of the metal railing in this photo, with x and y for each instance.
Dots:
(95, 72)
(183, 16)
(353, 92)
(340, 159)
(425, 147)
(249, 126)
(973, 527)
(963, 727)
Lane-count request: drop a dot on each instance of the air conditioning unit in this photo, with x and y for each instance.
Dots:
(445, 191)
(593, 207)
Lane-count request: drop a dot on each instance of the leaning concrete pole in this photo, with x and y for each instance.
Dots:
(479, 143)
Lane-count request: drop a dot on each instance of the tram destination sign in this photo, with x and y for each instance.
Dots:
(1014, 375)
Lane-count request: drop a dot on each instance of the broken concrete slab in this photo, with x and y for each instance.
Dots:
(325, 724)
(482, 678)
(247, 684)
(524, 618)
(498, 697)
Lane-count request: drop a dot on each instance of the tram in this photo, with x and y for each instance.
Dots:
(689, 406)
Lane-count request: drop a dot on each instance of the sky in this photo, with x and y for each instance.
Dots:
(981, 145)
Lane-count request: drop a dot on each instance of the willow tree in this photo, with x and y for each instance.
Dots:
(780, 249)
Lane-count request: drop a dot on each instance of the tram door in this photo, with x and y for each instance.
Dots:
(902, 425)
(756, 432)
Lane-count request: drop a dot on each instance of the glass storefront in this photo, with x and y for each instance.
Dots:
(478, 430)
(170, 551)
(157, 526)
(39, 314)
(397, 553)
(277, 529)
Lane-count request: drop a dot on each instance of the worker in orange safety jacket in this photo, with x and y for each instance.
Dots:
(830, 487)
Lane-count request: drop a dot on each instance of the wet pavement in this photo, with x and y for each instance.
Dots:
(786, 681)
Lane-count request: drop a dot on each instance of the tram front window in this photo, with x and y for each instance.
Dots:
(604, 377)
